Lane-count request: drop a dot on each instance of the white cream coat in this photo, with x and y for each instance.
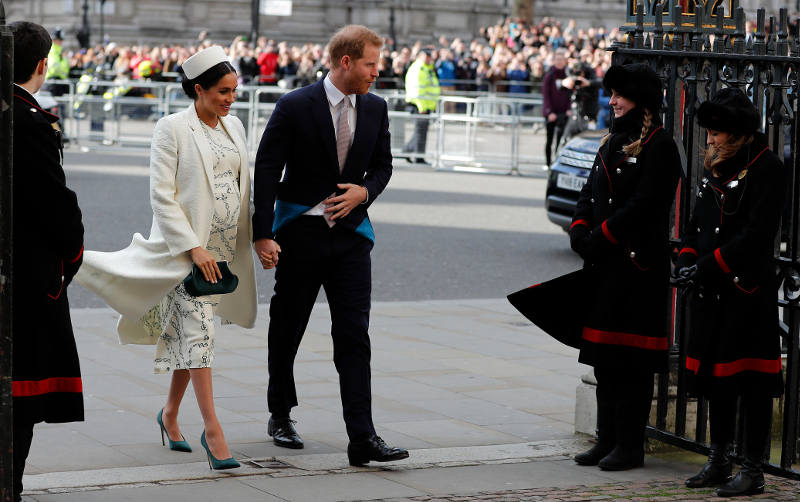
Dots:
(133, 281)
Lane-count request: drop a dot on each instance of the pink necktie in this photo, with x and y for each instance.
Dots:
(343, 137)
(342, 145)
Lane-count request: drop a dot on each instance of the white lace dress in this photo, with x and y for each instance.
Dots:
(188, 340)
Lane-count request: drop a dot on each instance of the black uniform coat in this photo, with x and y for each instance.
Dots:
(733, 347)
(623, 211)
(48, 249)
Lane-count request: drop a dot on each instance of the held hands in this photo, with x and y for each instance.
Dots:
(206, 263)
(267, 251)
(343, 204)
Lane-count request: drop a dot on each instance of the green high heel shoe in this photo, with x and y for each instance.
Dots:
(173, 445)
(213, 463)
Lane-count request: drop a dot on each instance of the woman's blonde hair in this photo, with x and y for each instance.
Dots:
(718, 154)
(634, 148)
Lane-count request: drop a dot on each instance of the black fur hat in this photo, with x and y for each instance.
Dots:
(729, 111)
(637, 82)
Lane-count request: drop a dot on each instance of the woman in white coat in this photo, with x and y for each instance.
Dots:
(200, 195)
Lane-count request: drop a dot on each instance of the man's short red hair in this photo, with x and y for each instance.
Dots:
(350, 41)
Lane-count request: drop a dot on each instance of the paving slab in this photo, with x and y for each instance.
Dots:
(479, 396)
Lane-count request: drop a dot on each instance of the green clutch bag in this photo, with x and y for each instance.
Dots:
(197, 285)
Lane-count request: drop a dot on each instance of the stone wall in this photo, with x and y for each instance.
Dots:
(180, 21)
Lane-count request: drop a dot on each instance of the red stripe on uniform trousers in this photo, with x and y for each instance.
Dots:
(628, 339)
(688, 250)
(77, 257)
(721, 262)
(760, 365)
(608, 234)
(38, 387)
(535, 285)
(692, 364)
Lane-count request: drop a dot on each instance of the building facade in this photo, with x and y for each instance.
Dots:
(180, 21)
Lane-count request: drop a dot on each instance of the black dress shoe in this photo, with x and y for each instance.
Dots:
(716, 471)
(422, 161)
(749, 481)
(592, 457)
(373, 449)
(283, 433)
(622, 459)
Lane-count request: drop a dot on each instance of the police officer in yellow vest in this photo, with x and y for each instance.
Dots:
(422, 91)
(57, 65)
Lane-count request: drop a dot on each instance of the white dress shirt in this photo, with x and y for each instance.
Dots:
(335, 97)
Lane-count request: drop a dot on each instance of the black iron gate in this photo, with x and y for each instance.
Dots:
(6, 154)
(696, 54)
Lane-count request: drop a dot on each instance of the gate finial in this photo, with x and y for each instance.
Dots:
(2, 13)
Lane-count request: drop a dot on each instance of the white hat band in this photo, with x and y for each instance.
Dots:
(203, 60)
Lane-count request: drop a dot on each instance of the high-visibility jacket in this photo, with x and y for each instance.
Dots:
(422, 86)
(57, 64)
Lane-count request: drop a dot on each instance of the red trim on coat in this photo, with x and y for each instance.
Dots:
(77, 257)
(40, 109)
(751, 291)
(688, 250)
(627, 339)
(608, 234)
(581, 222)
(610, 186)
(535, 285)
(721, 262)
(651, 134)
(37, 387)
(634, 261)
(771, 366)
(62, 284)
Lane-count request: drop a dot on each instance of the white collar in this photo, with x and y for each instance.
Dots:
(335, 96)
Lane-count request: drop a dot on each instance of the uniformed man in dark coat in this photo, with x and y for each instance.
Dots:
(733, 349)
(621, 229)
(47, 251)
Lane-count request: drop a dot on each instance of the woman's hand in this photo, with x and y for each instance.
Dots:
(206, 263)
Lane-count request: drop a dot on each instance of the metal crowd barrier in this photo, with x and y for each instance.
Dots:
(479, 134)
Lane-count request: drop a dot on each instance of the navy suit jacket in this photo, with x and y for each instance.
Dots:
(301, 137)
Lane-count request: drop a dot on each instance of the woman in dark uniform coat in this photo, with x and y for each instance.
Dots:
(733, 349)
(621, 229)
(47, 249)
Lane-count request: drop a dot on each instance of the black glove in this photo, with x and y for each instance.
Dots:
(581, 246)
(688, 277)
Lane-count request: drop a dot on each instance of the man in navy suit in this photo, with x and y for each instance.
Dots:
(333, 139)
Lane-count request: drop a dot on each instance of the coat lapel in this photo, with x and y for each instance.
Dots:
(321, 111)
(202, 144)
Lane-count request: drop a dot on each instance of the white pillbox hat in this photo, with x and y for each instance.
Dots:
(203, 60)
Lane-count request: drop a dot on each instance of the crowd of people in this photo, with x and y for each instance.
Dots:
(515, 54)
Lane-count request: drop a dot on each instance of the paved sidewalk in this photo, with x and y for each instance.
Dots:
(483, 399)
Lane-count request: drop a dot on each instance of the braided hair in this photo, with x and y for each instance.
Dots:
(634, 148)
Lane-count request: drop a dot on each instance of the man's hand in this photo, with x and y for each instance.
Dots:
(552, 117)
(568, 83)
(343, 204)
(267, 251)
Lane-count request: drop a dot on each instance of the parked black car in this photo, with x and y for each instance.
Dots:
(568, 174)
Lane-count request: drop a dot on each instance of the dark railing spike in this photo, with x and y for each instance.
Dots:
(782, 47)
(658, 30)
(771, 36)
(2, 14)
(739, 34)
(719, 31)
(759, 48)
(638, 39)
(697, 34)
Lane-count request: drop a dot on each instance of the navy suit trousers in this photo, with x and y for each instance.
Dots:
(314, 255)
